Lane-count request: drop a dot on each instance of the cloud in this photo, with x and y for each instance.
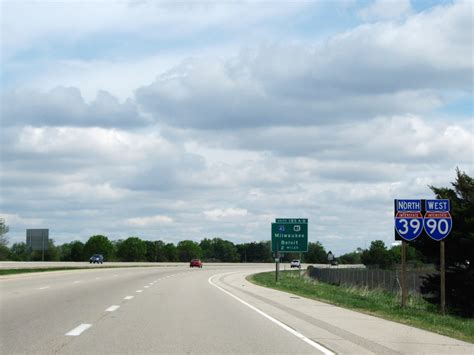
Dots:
(379, 69)
(66, 107)
(386, 10)
(144, 222)
(228, 213)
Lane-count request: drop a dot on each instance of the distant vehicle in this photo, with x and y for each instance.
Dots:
(295, 263)
(195, 263)
(96, 258)
(334, 262)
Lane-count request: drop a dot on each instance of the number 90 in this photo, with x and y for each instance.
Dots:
(440, 225)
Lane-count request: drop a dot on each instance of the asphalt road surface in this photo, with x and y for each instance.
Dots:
(178, 310)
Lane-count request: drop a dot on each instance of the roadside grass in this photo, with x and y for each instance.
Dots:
(62, 268)
(25, 271)
(418, 312)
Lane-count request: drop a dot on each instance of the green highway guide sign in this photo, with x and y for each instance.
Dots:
(290, 235)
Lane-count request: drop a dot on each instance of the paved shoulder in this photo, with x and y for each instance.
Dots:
(339, 329)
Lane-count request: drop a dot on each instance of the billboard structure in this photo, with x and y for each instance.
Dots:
(37, 239)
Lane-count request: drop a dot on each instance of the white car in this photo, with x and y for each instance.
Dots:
(295, 263)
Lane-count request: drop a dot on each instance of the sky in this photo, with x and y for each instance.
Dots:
(188, 120)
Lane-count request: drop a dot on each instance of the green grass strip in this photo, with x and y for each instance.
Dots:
(25, 270)
(417, 313)
(61, 268)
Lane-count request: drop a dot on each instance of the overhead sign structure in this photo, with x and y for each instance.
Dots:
(437, 221)
(290, 235)
(408, 219)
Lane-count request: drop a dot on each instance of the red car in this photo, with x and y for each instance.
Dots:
(195, 263)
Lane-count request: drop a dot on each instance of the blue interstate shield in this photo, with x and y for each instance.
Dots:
(409, 225)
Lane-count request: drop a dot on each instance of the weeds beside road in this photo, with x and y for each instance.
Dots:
(418, 312)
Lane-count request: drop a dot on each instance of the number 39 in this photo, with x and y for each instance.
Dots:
(414, 224)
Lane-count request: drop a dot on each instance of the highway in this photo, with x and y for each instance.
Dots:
(178, 310)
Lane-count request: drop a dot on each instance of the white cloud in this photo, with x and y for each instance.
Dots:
(373, 70)
(66, 107)
(386, 10)
(227, 213)
(144, 222)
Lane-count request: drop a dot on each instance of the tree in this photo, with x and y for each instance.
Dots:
(51, 254)
(77, 251)
(350, 258)
(160, 251)
(170, 252)
(255, 252)
(413, 256)
(4, 251)
(218, 249)
(132, 249)
(19, 252)
(99, 244)
(187, 250)
(151, 251)
(459, 248)
(316, 254)
(377, 256)
(225, 250)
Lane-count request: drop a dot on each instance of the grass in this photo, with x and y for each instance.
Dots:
(25, 271)
(61, 268)
(418, 312)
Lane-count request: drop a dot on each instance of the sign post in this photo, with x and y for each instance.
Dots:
(408, 226)
(438, 224)
(442, 278)
(403, 282)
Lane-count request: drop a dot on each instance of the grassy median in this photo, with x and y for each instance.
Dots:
(418, 312)
(30, 270)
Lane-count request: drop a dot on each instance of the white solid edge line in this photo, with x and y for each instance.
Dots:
(78, 330)
(276, 321)
(112, 308)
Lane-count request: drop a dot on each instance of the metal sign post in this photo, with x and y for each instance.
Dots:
(442, 278)
(438, 224)
(408, 226)
(277, 266)
(403, 283)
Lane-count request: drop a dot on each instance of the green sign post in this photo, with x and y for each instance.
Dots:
(289, 235)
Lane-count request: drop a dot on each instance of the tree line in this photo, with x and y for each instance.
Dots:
(136, 249)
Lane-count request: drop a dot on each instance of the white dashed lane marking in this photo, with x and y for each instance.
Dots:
(112, 308)
(76, 282)
(138, 291)
(128, 297)
(43, 288)
(78, 330)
